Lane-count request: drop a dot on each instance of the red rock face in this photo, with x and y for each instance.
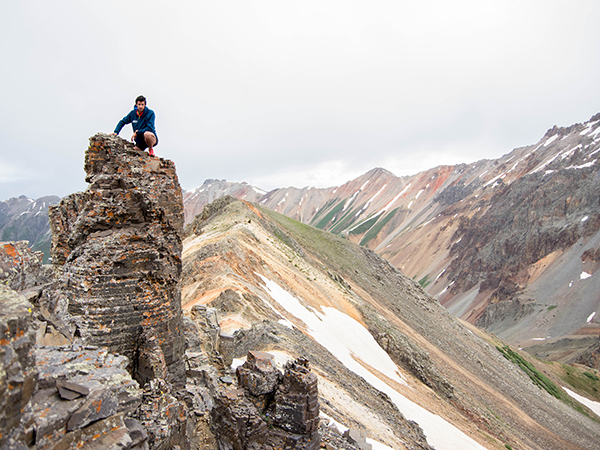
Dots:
(118, 247)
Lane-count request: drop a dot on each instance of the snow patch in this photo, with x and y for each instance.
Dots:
(348, 340)
(493, 180)
(545, 164)
(429, 221)
(589, 319)
(583, 166)
(585, 218)
(344, 337)
(595, 132)
(595, 151)
(283, 199)
(584, 275)
(363, 186)
(286, 323)
(588, 128)
(342, 429)
(375, 196)
(551, 140)
(386, 207)
(350, 200)
(594, 406)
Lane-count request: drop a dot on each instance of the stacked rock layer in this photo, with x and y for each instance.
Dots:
(118, 249)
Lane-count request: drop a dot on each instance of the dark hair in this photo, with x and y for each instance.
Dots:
(140, 98)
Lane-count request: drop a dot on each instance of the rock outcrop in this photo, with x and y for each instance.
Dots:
(21, 267)
(61, 397)
(101, 357)
(17, 366)
(268, 409)
(118, 248)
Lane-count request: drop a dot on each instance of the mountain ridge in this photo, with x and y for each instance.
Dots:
(281, 285)
(437, 224)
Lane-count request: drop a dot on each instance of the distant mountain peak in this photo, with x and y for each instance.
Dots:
(470, 229)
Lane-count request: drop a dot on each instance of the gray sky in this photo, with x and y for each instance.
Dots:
(280, 93)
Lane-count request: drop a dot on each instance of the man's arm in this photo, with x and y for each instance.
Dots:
(124, 121)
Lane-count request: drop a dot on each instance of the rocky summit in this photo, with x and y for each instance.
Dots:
(95, 352)
(118, 249)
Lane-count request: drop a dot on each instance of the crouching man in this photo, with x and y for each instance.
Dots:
(141, 119)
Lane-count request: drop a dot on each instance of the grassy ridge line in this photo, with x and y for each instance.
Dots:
(543, 382)
(334, 250)
(374, 231)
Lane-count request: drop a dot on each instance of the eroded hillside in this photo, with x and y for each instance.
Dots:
(510, 244)
(383, 349)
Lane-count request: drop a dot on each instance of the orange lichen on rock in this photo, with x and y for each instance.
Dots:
(118, 246)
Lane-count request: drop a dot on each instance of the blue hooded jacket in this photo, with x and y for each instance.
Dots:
(142, 123)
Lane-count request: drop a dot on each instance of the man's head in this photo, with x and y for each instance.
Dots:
(140, 103)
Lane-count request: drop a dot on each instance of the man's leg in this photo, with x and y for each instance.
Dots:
(150, 142)
(140, 142)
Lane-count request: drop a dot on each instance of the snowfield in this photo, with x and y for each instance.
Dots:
(348, 340)
(594, 406)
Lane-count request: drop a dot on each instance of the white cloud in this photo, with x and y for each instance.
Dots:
(10, 173)
(321, 174)
(242, 89)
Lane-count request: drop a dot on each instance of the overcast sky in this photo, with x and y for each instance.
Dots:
(280, 93)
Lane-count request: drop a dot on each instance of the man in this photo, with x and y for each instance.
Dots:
(142, 122)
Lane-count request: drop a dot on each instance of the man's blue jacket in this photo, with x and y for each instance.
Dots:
(141, 124)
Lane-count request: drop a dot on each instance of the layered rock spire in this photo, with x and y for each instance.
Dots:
(118, 248)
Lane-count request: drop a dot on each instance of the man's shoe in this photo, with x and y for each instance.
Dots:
(151, 151)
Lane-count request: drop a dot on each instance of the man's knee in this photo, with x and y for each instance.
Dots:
(150, 138)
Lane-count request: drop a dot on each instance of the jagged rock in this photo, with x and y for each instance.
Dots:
(21, 268)
(17, 367)
(258, 375)
(358, 437)
(138, 433)
(162, 415)
(237, 422)
(111, 433)
(70, 391)
(99, 405)
(118, 248)
(591, 357)
(110, 391)
(150, 358)
(496, 312)
(296, 405)
(268, 410)
(209, 334)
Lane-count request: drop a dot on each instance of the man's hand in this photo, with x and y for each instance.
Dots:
(133, 137)
(112, 134)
